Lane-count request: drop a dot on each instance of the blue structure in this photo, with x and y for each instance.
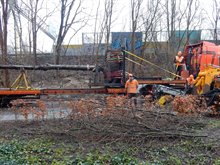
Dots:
(123, 39)
(194, 36)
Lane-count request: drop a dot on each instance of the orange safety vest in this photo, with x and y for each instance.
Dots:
(179, 60)
(190, 81)
(131, 86)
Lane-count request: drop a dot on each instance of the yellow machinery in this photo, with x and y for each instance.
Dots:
(208, 79)
(207, 84)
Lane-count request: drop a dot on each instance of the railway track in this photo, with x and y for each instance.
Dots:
(8, 94)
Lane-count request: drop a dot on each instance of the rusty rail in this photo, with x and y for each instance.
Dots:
(73, 91)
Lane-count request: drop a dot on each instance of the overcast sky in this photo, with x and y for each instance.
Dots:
(121, 16)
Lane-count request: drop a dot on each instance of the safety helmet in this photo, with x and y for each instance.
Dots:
(130, 75)
(179, 53)
(191, 76)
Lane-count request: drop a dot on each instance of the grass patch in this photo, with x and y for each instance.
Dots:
(186, 152)
(214, 124)
(98, 158)
(40, 151)
(36, 151)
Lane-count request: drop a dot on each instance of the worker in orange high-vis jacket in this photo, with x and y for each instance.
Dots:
(131, 86)
(179, 62)
(190, 84)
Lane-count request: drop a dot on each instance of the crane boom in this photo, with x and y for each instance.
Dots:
(13, 6)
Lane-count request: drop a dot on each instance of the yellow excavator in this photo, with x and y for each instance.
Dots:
(208, 80)
(207, 84)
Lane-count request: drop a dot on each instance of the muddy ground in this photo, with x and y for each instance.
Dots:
(147, 132)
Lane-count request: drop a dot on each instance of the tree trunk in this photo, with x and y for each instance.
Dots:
(48, 67)
(4, 31)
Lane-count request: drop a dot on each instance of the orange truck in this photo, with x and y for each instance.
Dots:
(202, 60)
(199, 56)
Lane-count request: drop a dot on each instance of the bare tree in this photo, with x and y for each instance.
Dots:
(34, 8)
(135, 13)
(171, 16)
(17, 32)
(105, 27)
(3, 38)
(172, 22)
(109, 5)
(95, 35)
(70, 10)
(37, 22)
(30, 11)
(106, 23)
(215, 19)
(190, 16)
(186, 18)
(150, 20)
